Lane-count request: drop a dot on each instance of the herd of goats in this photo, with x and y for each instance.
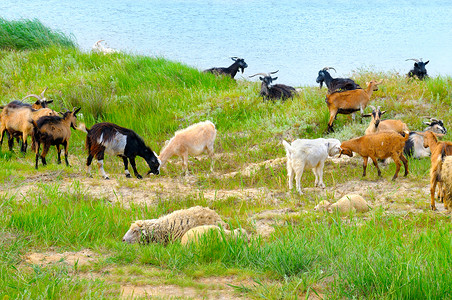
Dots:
(383, 138)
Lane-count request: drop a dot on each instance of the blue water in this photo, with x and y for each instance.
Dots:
(296, 37)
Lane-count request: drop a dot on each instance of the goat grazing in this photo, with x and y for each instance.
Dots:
(378, 146)
(438, 149)
(239, 63)
(53, 130)
(274, 91)
(377, 125)
(335, 84)
(311, 154)
(414, 146)
(349, 101)
(98, 47)
(419, 69)
(193, 140)
(120, 141)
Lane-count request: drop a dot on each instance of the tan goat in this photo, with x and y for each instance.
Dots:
(193, 140)
(436, 148)
(53, 130)
(444, 176)
(16, 120)
(378, 146)
(349, 102)
(378, 125)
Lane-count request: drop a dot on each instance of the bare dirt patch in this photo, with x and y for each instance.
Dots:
(80, 258)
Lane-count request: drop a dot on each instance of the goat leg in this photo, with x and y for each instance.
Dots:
(405, 163)
(59, 154)
(126, 166)
(365, 159)
(66, 153)
(374, 160)
(134, 167)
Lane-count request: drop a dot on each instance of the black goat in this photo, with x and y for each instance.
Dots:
(120, 141)
(239, 63)
(414, 146)
(335, 84)
(419, 69)
(274, 91)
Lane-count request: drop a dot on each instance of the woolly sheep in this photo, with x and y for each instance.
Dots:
(311, 154)
(347, 203)
(193, 235)
(172, 226)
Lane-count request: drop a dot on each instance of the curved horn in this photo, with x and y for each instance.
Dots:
(328, 68)
(32, 95)
(234, 58)
(263, 74)
(42, 94)
(416, 60)
(273, 72)
(373, 107)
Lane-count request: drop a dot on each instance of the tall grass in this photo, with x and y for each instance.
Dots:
(31, 34)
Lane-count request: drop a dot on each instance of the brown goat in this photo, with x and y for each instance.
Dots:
(378, 125)
(53, 130)
(16, 121)
(378, 146)
(436, 148)
(349, 102)
(444, 176)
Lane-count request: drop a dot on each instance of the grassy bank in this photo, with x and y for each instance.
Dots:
(399, 250)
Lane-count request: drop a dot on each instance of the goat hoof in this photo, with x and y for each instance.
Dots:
(107, 178)
(128, 176)
(139, 176)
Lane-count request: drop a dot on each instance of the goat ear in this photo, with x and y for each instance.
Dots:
(274, 78)
(415, 64)
(426, 62)
(261, 78)
(383, 112)
(427, 123)
(76, 110)
(367, 115)
(50, 101)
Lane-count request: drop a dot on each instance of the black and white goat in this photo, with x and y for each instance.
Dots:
(419, 69)
(274, 91)
(335, 84)
(414, 146)
(120, 141)
(239, 63)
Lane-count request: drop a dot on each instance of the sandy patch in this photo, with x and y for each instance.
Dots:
(82, 257)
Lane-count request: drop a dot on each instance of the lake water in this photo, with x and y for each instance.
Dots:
(296, 37)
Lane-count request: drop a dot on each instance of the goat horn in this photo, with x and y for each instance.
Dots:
(263, 74)
(373, 107)
(416, 60)
(274, 72)
(234, 58)
(32, 95)
(328, 68)
(42, 94)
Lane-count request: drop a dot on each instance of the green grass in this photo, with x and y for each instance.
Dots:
(378, 255)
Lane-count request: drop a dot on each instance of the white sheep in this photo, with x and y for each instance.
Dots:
(347, 203)
(311, 154)
(193, 235)
(194, 140)
(172, 226)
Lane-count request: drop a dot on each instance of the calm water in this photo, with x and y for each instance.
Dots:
(295, 37)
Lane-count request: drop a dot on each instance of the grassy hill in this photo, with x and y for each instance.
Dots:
(400, 249)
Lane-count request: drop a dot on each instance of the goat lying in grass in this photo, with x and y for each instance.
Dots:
(349, 102)
(53, 130)
(414, 146)
(274, 91)
(378, 146)
(311, 154)
(335, 84)
(239, 63)
(120, 141)
(377, 125)
(193, 140)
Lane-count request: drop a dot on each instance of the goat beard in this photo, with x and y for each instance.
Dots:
(243, 70)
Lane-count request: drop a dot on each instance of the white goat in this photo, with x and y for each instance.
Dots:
(194, 140)
(98, 47)
(304, 153)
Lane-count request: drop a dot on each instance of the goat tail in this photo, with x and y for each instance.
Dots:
(289, 149)
(82, 127)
